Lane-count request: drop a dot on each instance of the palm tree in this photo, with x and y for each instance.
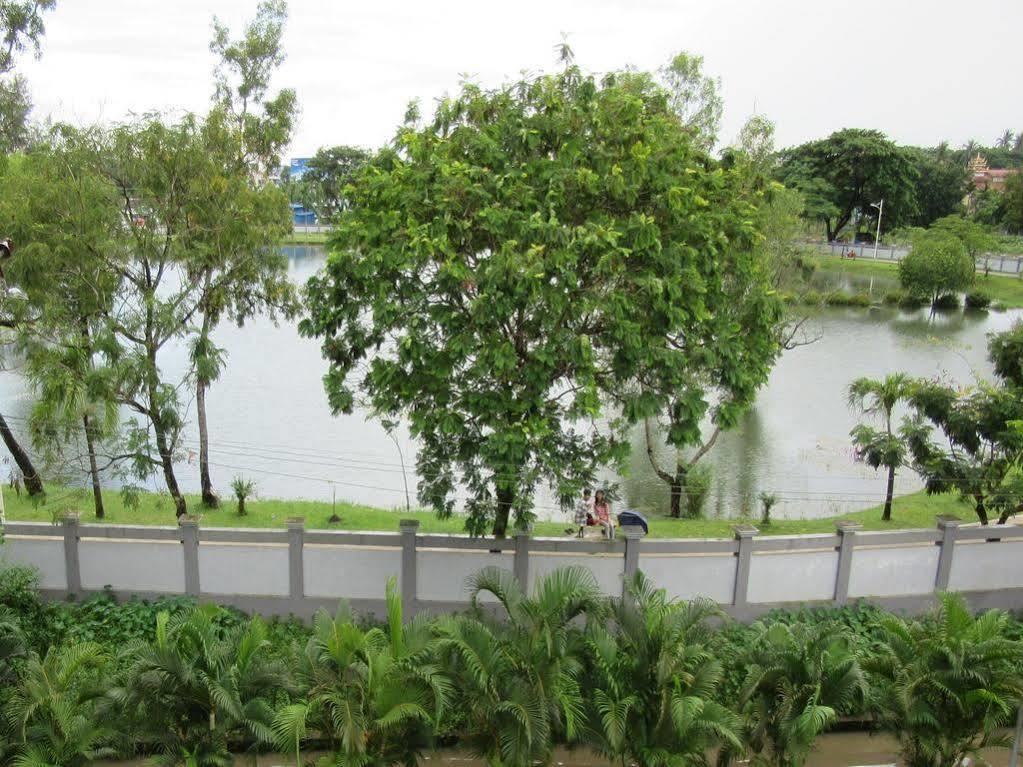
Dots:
(798, 678)
(517, 675)
(376, 695)
(878, 448)
(54, 709)
(1005, 140)
(947, 683)
(654, 680)
(198, 684)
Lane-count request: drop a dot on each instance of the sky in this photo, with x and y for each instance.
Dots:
(920, 70)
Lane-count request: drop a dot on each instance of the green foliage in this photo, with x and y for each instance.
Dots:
(696, 489)
(19, 596)
(242, 489)
(56, 709)
(976, 239)
(328, 173)
(849, 171)
(981, 448)
(941, 185)
(1011, 204)
(376, 695)
(654, 682)
(938, 264)
(195, 686)
(977, 299)
(945, 685)
(946, 302)
(694, 97)
(523, 272)
(797, 678)
(517, 677)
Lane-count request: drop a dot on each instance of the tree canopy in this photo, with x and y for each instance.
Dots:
(530, 250)
(937, 264)
(847, 172)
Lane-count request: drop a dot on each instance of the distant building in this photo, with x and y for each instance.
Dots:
(984, 177)
(301, 215)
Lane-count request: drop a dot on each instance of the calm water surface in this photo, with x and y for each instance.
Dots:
(269, 419)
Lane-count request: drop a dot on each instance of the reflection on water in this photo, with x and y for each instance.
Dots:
(269, 418)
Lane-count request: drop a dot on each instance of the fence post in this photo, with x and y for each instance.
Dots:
(296, 566)
(744, 535)
(847, 540)
(632, 534)
(521, 564)
(189, 528)
(949, 526)
(71, 563)
(409, 591)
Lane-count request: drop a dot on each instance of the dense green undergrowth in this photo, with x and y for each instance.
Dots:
(641, 680)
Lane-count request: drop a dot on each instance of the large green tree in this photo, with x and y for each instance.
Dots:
(328, 172)
(941, 186)
(526, 252)
(67, 219)
(847, 172)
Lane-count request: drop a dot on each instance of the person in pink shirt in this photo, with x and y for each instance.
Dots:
(602, 509)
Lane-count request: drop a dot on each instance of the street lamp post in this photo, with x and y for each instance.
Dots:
(877, 237)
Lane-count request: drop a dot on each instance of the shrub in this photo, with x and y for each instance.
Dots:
(843, 298)
(696, 490)
(895, 297)
(977, 299)
(19, 593)
(937, 264)
(243, 489)
(944, 685)
(946, 302)
(811, 298)
(767, 502)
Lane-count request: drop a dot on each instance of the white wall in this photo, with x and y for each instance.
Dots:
(606, 568)
(352, 572)
(129, 565)
(890, 571)
(980, 566)
(687, 576)
(441, 573)
(44, 554)
(244, 568)
(792, 576)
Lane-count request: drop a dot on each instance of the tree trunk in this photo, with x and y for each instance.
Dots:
(981, 511)
(678, 490)
(97, 492)
(886, 515)
(505, 499)
(167, 461)
(33, 483)
(209, 495)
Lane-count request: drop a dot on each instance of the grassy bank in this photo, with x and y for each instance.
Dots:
(306, 238)
(1004, 289)
(911, 511)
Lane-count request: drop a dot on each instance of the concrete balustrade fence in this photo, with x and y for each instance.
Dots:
(295, 571)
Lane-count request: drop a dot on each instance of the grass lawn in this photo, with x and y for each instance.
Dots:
(910, 511)
(306, 238)
(1004, 289)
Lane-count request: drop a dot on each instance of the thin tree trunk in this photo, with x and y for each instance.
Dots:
(886, 515)
(160, 433)
(97, 491)
(505, 499)
(678, 490)
(209, 495)
(33, 483)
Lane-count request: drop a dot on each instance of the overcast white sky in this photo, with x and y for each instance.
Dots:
(921, 70)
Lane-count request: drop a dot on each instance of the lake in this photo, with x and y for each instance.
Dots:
(269, 419)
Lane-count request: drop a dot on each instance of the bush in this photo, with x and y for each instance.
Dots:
(19, 593)
(977, 299)
(894, 297)
(938, 264)
(946, 302)
(842, 298)
(910, 301)
(696, 490)
(811, 298)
